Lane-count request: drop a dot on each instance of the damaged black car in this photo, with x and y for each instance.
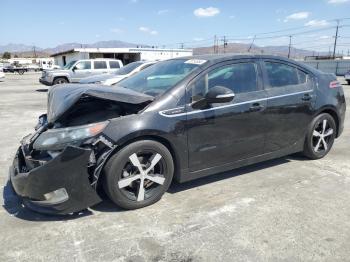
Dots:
(180, 119)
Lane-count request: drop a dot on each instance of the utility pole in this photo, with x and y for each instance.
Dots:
(34, 51)
(290, 45)
(251, 45)
(335, 39)
(214, 46)
(225, 43)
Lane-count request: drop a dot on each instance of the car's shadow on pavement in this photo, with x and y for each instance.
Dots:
(178, 187)
(14, 205)
(42, 90)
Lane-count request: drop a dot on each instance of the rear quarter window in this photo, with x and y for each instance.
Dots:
(114, 64)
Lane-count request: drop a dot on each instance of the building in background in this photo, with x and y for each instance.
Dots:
(126, 55)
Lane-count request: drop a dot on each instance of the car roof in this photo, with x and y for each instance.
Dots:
(216, 58)
(99, 59)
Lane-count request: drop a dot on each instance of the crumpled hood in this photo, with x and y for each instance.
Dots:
(96, 78)
(62, 97)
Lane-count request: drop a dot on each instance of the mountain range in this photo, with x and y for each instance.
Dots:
(22, 50)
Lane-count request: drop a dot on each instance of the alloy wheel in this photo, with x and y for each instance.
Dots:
(322, 136)
(142, 175)
(61, 81)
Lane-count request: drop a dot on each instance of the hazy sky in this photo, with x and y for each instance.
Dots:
(47, 23)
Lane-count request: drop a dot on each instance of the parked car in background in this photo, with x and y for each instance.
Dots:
(347, 77)
(2, 75)
(180, 119)
(74, 71)
(111, 79)
(15, 69)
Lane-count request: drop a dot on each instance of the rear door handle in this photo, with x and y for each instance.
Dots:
(306, 97)
(255, 107)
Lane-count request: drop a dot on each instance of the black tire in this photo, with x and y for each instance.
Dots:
(20, 72)
(320, 136)
(119, 170)
(60, 80)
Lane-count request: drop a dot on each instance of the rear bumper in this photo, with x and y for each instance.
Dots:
(44, 82)
(59, 186)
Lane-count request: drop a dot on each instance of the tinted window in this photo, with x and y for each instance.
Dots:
(240, 78)
(100, 64)
(284, 75)
(114, 64)
(83, 65)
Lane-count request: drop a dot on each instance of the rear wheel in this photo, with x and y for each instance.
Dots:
(60, 80)
(320, 136)
(139, 174)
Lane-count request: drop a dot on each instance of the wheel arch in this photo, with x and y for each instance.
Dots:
(157, 138)
(333, 112)
(65, 77)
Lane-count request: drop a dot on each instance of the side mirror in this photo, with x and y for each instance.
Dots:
(217, 94)
(74, 68)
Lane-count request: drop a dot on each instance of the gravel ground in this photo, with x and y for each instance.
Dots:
(289, 209)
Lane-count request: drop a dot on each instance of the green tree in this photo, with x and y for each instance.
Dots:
(16, 56)
(6, 55)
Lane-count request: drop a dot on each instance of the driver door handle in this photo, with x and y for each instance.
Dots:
(256, 107)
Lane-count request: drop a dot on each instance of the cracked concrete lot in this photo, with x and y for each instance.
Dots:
(288, 209)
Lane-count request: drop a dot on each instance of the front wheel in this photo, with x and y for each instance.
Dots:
(320, 137)
(139, 174)
(60, 80)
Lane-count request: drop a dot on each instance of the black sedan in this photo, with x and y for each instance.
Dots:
(180, 119)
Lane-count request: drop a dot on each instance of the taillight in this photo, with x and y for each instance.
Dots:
(334, 84)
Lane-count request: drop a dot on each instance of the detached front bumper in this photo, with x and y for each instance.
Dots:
(58, 186)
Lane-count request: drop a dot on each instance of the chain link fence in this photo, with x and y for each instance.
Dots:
(337, 67)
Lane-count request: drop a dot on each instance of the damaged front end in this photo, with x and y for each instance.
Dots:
(56, 170)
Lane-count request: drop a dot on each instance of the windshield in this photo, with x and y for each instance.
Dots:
(128, 68)
(160, 77)
(69, 65)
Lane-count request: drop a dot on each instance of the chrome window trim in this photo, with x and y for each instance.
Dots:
(163, 112)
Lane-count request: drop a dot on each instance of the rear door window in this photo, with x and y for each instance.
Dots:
(280, 75)
(100, 64)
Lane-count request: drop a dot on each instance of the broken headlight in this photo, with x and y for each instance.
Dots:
(58, 139)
